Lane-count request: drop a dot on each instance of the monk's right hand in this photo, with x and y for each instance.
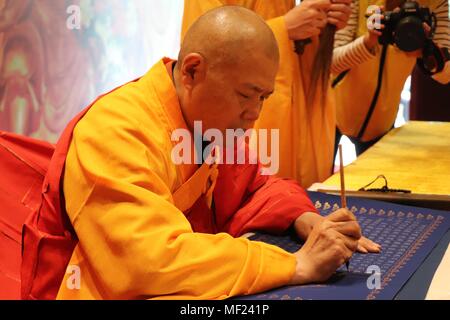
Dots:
(307, 19)
(330, 244)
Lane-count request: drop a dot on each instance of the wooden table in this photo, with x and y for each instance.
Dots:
(414, 157)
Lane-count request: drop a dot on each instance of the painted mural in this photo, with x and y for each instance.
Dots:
(56, 56)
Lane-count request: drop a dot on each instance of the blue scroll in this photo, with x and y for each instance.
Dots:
(407, 235)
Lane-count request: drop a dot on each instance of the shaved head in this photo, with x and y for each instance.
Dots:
(223, 36)
(226, 69)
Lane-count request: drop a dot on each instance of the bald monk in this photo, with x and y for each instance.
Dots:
(139, 237)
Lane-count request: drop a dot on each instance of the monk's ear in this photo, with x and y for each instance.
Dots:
(193, 70)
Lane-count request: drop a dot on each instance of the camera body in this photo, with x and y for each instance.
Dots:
(404, 28)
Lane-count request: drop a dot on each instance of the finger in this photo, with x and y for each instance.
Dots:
(349, 229)
(338, 15)
(321, 15)
(372, 245)
(340, 8)
(350, 243)
(317, 14)
(320, 4)
(342, 1)
(319, 23)
(369, 245)
(375, 33)
(341, 13)
(340, 252)
(346, 251)
(338, 23)
(427, 28)
(341, 215)
(361, 249)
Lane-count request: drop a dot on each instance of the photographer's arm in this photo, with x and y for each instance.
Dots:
(442, 38)
(350, 52)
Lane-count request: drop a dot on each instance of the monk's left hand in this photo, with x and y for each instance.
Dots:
(367, 246)
(304, 224)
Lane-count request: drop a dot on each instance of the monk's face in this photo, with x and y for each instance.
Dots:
(230, 96)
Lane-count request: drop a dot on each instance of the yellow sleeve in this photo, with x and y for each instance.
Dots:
(286, 48)
(136, 243)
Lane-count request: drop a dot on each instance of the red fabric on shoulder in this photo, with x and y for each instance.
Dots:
(23, 165)
(246, 200)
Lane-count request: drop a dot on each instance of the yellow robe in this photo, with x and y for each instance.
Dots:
(133, 242)
(306, 131)
(355, 92)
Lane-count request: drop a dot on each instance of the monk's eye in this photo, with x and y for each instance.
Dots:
(243, 95)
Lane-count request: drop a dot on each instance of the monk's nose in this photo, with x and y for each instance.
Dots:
(252, 114)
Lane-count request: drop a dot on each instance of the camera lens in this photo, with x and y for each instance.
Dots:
(409, 34)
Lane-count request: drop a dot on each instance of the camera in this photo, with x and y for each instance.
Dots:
(404, 28)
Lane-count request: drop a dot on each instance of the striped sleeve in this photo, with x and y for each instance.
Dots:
(348, 34)
(350, 55)
(442, 38)
(442, 34)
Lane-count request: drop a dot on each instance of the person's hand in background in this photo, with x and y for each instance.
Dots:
(375, 28)
(307, 19)
(339, 13)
